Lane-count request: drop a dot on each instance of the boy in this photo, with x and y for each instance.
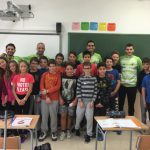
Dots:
(67, 100)
(59, 58)
(113, 75)
(131, 65)
(146, 94)
(104, 88)
(142, 74)
(86, 59)
(86, 95)
(43, 64)
(49, 86)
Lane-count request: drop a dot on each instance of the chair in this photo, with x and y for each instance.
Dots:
(143, 142)
(12, 143)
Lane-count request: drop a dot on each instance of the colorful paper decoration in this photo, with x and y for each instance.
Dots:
(76, 26)
(111, 27)
(93, 26)
(84, 25)
(102, 26)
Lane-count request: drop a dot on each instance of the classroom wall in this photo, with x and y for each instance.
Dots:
(131, 16)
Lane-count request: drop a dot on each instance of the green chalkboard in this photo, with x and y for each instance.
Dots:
(106, 43)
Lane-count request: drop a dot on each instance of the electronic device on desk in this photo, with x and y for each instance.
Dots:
(116, 114)
(10, 114)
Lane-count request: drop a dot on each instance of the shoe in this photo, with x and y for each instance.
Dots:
(54, 136)
(42, 136)
(119, 132)
(99, 136)
(68, 134)
(87, 138)
(23, 138)
(78, 132)
(62, 136)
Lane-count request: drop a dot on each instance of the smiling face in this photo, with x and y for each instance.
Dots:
(23, 67)
(40, 48)
(3, 64)
(102, 71)
(69, 70)
(10, 50)
(90, 47)
(109, 63)
(115, 58)
(12, 67)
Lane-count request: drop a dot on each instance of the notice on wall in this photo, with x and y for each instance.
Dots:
(94, 26)
(85, 25)
(76, 26)
(102, 26)
(111, 27)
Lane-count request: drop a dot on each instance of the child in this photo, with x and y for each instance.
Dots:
(59, 58)
(67, 100)
(86, 94)
(22, 88)
(113, 75)
(35, 95)
(72, 58)
(49, 87)
(142, 74)
(115, 57)
(86, 58)
(10, 72)
(43, 64)
(146, 94)
(103, 96)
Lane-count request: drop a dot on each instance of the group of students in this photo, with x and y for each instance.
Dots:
(73, 89)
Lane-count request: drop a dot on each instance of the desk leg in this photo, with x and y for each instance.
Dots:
(31, 134)
(105, 135)
(130, 140)
(96, 136)
(36, 141)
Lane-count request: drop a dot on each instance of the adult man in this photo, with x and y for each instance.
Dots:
(10, 51)
(95, 57)
(130, 67)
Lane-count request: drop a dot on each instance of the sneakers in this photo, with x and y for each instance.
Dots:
(68, 134)
(62, 136)
(54, 136)
(42, 136)
(87, 138)
(78, 132)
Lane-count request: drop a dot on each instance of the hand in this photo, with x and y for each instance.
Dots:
(144, 103)
(81, 104)
(38, 99)
(13, 103)
(113, 93)
(43, 92)
(61, 101)
(99, 105)
(74, 103)
(48, 100)
(91, 104)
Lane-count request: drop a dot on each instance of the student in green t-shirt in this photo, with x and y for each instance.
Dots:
(131, 65)
(95, 57)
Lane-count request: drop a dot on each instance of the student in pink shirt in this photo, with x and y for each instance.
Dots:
(22, 88)
(86, 58)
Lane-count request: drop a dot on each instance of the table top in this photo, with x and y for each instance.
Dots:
(140, 125)
(33, 124)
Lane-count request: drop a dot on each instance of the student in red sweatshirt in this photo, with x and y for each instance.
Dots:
(49, 87)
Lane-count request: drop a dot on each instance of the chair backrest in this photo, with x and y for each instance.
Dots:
(143, 142)
(11, 143)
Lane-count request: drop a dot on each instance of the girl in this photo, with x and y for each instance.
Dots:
(10, 72)
(22, 88)
(67, 100)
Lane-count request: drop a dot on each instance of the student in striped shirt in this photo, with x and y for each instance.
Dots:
(86, 94)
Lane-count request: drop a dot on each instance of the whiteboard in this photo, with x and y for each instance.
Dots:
(26, 43)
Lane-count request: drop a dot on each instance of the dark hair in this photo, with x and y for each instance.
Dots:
(43, 57)
(86, 64)
(23, 61)
(34, 59)
(73, 52)
(146, 60)
(90, 41)
(101, 64)
(115, 52)
(60, 55)
(14, 62)
(69, 64)
(129, 45)
(11, 44)
(108, 58)
(86, 53)
(51, 61)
